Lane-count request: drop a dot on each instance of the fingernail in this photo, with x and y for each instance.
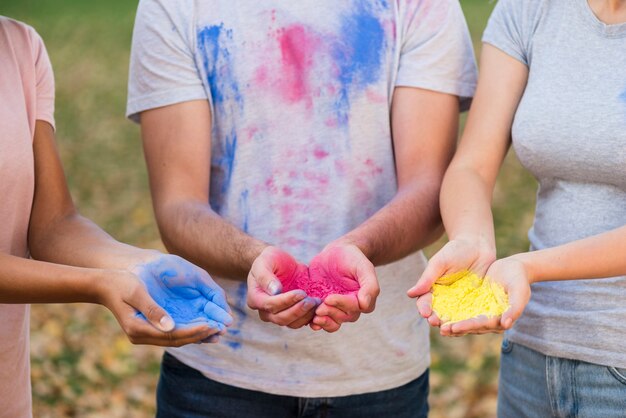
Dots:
(273, 287)
(308, 304)
(166, 323)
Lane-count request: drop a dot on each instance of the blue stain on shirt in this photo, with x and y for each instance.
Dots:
(217, 61)
(359, 56)
(245, 210)
(622, 97)
(214, 47)
(234, 345)
(227, 160)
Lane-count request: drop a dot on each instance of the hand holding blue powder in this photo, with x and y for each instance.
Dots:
(186, 292)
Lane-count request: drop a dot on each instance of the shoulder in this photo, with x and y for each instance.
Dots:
(21, 37)
(528, 10)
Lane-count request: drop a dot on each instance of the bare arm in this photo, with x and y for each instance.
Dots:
(118, 275)
(424, 127)
(177, 145)
(469, 181)
(598, 256)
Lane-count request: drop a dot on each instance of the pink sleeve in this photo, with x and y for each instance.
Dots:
(44, 79)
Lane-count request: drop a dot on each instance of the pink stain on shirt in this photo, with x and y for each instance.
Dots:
(298, 47)
(319, 153)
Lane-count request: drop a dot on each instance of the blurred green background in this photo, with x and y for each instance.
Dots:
(83, 366)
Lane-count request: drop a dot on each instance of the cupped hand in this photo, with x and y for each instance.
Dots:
(350, 270)
(271, 268)
(164, 300)
(511, 274)
(460, 254)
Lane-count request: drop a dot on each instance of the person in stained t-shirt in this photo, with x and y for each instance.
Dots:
(281, 135)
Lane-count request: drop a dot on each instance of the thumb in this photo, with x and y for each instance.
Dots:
(265, 279)
(155, 314)
(369, 288)
(429, 276)
(517, 302)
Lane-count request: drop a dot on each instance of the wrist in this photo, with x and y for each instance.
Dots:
(485, 245)
(525, 260)
(97, 285)
(351, 241)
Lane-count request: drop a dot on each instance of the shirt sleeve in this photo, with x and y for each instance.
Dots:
(163, 69)
(44, 80)
(511, 27)
(436, 51)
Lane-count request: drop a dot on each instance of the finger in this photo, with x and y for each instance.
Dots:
(217, 313)
(434, 321)
(326, 323)
(425, 304)
(141, 301)
(214, 293)
(335, 314)
(314, 327)
(349, 304)
(473, 325)
(264, 277)
(369, 290)
(303, 321)
(273, 304)
(431, 273)
(210, 340)
(294, 313)
(517, 304)
(140, 332)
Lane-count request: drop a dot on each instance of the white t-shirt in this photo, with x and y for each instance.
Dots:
(300, 95)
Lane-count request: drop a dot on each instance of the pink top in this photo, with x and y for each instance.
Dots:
(26, 94)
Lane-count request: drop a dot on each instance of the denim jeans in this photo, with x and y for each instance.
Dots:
(185, 392)
(536, 386)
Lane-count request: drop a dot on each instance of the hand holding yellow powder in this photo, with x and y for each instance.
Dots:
(465, 295)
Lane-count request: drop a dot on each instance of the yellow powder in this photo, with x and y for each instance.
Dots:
(465, 295)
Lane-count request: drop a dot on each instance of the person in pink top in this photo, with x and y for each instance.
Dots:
(49, 253)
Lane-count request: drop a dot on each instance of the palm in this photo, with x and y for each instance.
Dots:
(186, 292)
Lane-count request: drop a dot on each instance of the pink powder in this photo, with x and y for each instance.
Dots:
(320, 280)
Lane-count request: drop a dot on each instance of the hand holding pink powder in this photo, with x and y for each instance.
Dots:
(267, 293)
(343, 279)
(340, 282)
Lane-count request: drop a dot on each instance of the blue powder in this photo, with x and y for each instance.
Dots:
(174, 285)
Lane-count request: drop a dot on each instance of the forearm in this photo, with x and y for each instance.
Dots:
(195, 232)
(598, 256)
(29, 281)
(410, 221)
(466, 207)
(74, 240)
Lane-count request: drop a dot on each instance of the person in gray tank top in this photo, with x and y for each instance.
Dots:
(553, 83)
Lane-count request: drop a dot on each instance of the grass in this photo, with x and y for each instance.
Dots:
(82, 364)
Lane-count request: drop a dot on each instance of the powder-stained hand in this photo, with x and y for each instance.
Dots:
(355, 283)
(291, 308)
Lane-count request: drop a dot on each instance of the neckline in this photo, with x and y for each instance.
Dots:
(616, 30)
